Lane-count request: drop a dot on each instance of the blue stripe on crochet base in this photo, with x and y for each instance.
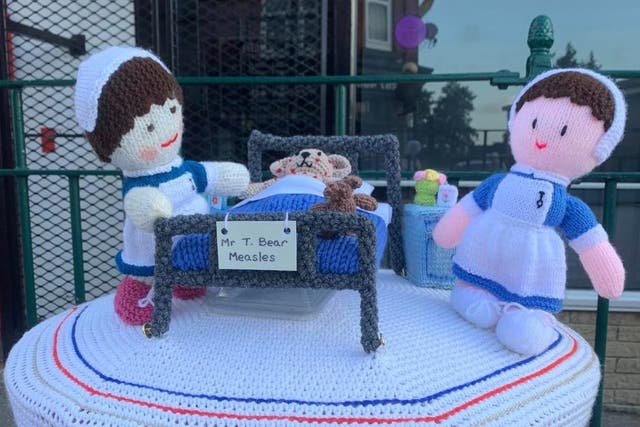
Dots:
(552, 305)
(134, 270)
(372, 402)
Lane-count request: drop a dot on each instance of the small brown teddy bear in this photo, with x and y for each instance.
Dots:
(340, 198)
(310, 162)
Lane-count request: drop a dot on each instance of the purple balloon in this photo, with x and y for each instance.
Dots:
(410, 31)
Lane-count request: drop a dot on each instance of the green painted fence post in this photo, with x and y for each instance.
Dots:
(602, 316)
(23, 203)
(76, 239)
(341, 110)
(540, 40)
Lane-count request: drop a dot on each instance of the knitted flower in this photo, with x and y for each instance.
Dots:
(427, 183)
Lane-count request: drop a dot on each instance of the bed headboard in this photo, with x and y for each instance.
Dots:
(350, 147)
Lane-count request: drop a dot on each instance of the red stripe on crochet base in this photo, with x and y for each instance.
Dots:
(304, 419)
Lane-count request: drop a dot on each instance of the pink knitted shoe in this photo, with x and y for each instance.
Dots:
(131, 303)
(187, 292)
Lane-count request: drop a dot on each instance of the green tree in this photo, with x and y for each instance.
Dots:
(570, 60)
(451, 133)
(591, 62)
(424, 107)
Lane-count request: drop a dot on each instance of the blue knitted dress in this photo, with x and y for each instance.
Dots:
(512, 248)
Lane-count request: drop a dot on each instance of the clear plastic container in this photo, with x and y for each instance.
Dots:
(274, 303)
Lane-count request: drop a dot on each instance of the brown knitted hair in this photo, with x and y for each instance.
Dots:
(129, 93)
(581, 88)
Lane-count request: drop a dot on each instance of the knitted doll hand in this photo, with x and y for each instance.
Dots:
(605, 269)
(231, 179)
(143, 205)
(255, 187)
(448, 231)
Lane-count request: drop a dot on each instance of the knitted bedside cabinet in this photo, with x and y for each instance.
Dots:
(85, 367)
(426, 264)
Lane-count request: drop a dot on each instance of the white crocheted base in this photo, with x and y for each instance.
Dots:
(85, 366)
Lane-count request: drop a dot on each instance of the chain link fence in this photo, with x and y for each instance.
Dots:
(196, 38)
(53, 141)
(48, 39)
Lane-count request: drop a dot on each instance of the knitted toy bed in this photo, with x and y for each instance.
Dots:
(347, 262)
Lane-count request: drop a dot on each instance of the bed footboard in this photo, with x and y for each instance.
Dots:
(308, 225)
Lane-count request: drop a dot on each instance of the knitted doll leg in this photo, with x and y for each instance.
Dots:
(187, 292)
(131, 302)
(475, 305)
(525, 331)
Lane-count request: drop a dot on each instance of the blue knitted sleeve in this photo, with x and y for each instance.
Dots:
(483, 194)
(199, 174)
(578, 218)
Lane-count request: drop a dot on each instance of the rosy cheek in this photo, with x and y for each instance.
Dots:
(149, 154)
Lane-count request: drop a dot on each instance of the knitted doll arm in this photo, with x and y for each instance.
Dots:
(143, 205)
(597, 255)
(449, 230)
(255, 187)
(605, 269)
(223, 178)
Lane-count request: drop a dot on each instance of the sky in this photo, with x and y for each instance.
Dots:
(491, 35)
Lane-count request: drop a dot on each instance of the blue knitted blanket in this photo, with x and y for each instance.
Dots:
(338, 255)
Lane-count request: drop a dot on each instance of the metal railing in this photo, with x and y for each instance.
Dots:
(21, 173)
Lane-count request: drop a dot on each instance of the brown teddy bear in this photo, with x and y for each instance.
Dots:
(309, 162)
(340, 198)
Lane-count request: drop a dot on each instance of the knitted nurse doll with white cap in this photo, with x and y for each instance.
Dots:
(510, 257)
(130, 107)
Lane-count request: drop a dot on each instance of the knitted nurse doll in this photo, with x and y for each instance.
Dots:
(510, 258)
(130, 107)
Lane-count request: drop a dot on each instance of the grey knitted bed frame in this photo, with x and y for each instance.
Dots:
(309, 224)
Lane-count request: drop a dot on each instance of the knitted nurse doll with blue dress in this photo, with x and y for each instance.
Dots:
(130, 107)
(510, 257)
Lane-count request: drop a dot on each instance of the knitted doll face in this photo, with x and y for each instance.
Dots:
(557, 136)
(154, 140)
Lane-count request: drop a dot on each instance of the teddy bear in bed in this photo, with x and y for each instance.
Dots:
(341, 198)
(309, 162)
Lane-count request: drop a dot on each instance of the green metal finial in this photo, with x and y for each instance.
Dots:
(540, 40)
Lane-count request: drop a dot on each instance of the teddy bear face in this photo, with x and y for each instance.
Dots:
(340, 193)
(154, 140)
(313, 163)
(556, 135)
(309, 162)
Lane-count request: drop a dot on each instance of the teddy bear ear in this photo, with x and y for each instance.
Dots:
(353, 181)
(279, 167)
(341, 166)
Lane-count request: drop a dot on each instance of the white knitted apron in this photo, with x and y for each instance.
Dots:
(509, 244)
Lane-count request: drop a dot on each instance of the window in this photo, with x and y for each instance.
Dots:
(378, 24)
